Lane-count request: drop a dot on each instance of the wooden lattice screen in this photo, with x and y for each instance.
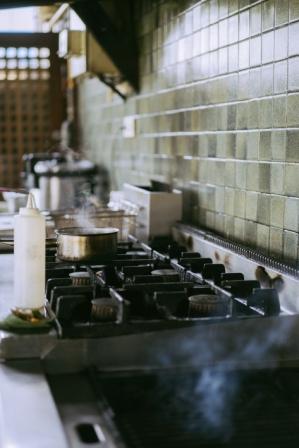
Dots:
(31, 105)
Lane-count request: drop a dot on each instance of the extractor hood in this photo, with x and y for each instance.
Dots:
(102, 19)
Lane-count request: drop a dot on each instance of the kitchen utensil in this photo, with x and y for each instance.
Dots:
(85, 244)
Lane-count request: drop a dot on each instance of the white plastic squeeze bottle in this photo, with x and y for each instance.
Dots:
(29, 257)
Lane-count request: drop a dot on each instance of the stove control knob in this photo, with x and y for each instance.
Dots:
(213, 271)
(267, 299)
(240, 288)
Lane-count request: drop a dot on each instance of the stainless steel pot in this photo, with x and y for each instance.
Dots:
(86, 244)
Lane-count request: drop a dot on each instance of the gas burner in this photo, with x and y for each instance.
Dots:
(80, 278)
(144, 288)
(104, 309)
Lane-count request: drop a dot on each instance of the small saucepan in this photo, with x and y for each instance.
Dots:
(86, 244)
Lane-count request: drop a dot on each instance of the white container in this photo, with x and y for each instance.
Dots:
(29, 257)
(158, 211)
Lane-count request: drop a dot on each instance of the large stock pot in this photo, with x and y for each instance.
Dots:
(86, 244)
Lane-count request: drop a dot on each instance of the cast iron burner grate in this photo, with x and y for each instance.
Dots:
(256, 409)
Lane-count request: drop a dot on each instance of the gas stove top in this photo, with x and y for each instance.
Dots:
(149, 287)
(185, 309)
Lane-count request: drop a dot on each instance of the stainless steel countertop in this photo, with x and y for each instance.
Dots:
(6, 283)
(28, 414)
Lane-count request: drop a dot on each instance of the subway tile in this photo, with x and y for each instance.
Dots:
(243, 3)
(239, 229)
(252, 176)
(291, 184)
(196, 69)
(197, 17)
(205, 40)
(251, 205)
(293, 38)
(267, 47)
(222, 118)
(280, 77)
(278, 145)
(294, 9)
(202, 171)
(221, 147)
(266, 113)
(267, 15)
(232, 6)
(252, 145)
(255, 50)
(253, 114)
(255, 20)
(229, 176)
(222, 8)
(293, 110)
(214, 36)
(196, 43)
(231, 116)
(264, 177)
(214, 63)
(223, 60)
(223, 32)
(219, 200)
(263, 238)
(277, 211)
(229, 226)
(242, 115)
(255, 83)
(230, 144)
(240, 175)
(292, 146)
(233, 28)
(244, 25)
(279, 112)
(205, 13)
(277, 178)
(233, 58)
(276, 242)
(293, 73)
(281, 12)
(232, 87)
(239, 203)
(219, 223)
(243, 54)
(251, 233)
(203, 145)
(290, 246)
(267, 80)
(265, 146)
(219, 173)
(241, 145)
(291, 214)
(229, 197)
(263, 209)
(281, 43)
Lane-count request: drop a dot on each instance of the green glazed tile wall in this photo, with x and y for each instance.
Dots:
(217, 116)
